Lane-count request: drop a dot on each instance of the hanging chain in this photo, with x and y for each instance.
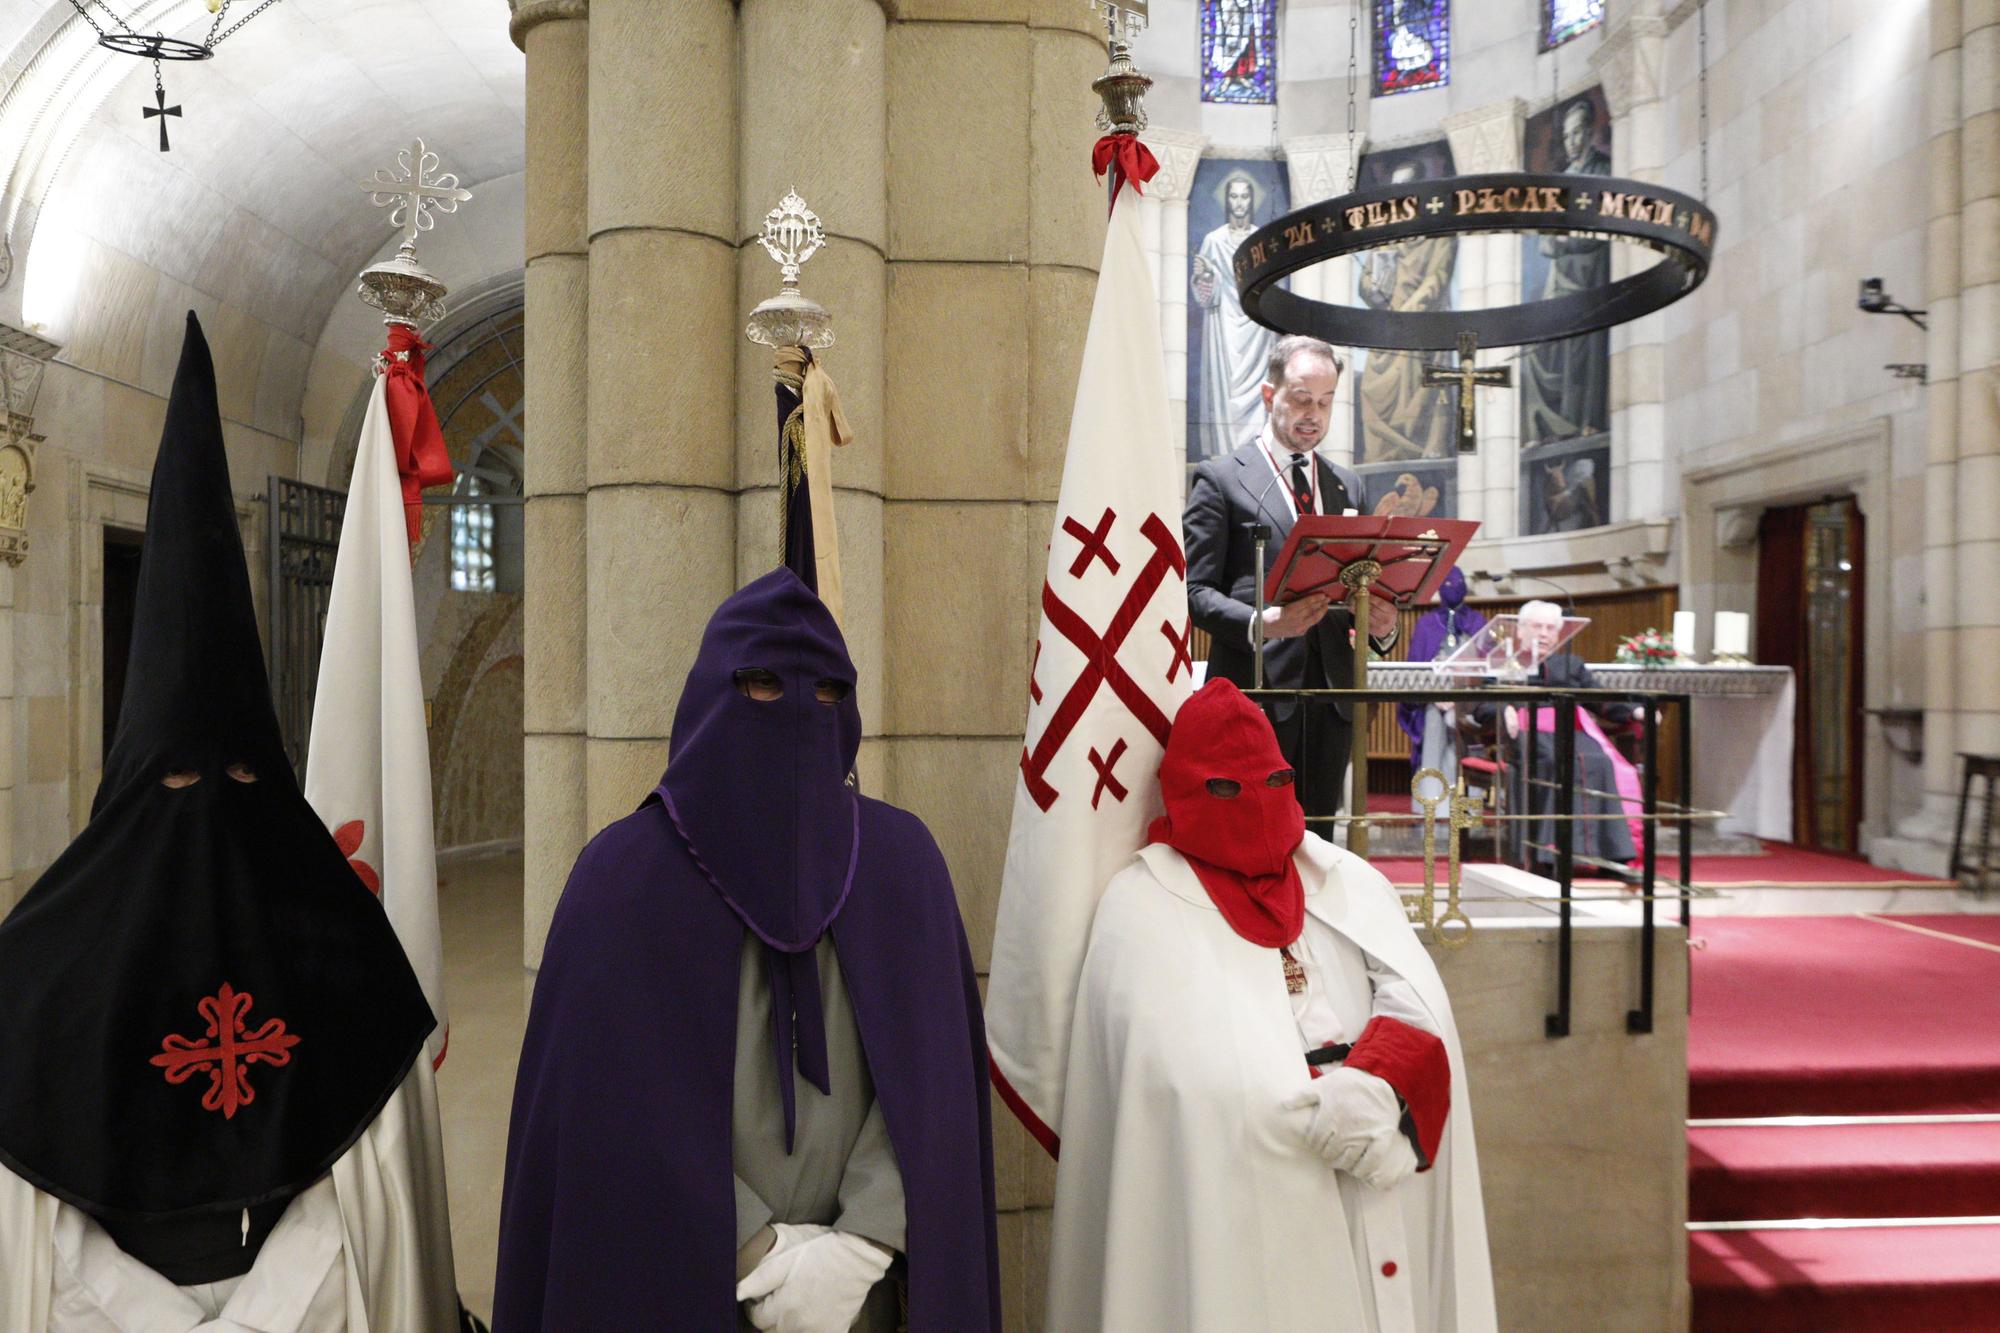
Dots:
(159, 83)
(1701, 74)
(217, 37)
(1353, 42)
(82, 7)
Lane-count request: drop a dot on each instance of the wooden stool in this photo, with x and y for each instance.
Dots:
(1985, 766)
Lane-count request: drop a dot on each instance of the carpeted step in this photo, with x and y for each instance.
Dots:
(1889, 1170)
(1940, 1279)
(1839, 1016)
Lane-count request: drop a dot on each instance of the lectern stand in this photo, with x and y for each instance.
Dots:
(1356, 560)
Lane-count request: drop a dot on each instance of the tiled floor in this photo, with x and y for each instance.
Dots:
(479, 902)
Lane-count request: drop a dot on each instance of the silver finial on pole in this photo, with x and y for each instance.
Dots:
(403, 289)
(792, 234)
(1122, 85)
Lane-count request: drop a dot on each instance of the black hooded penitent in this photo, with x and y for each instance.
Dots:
(204, 1007)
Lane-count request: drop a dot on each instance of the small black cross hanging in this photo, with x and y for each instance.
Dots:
(1464, 378)
(163, 111)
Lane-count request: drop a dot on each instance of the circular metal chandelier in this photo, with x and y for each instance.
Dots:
(115, 34)
(1680, 228)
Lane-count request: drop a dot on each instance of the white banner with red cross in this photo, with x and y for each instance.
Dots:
(368, 763)
(1111, 668)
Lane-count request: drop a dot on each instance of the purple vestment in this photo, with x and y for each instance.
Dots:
(1451, 618)
(619, 1209)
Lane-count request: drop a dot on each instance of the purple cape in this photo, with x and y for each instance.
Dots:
(1426, 639)
(619, 1209)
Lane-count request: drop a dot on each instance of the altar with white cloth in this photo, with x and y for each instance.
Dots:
(1742, 720)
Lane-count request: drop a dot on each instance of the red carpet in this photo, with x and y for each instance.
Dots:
(1748, 1172)
(1933, 1279)
(1831, 1016)
(1982, 929)
(1840, 1016)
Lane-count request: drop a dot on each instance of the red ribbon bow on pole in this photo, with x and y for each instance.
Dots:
(1132, 162)
(421, 459)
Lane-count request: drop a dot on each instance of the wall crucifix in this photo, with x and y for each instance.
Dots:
(1464, 379)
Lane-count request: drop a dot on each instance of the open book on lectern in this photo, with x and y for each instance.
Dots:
(1412, 556)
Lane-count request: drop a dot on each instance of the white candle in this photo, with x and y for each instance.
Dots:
(1684, 634)
(1732, 633)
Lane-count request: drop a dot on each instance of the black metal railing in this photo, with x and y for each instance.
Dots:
(304, 537)
(1560, 854)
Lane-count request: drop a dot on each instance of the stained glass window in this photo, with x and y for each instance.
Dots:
(1564, 19)
(471, 542)
(1412, 45)
(1239, 51)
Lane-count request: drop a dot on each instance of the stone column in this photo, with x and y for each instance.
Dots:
(995, 231)
(814, 107)
(1488, 138)
(1978, 348)
(664, 329)
(555, 36)
(1629, 63)
(1179, 154)
(1962, 410)
(1933, 825)
(1322, 167)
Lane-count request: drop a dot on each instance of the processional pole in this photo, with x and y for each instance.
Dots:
(810, 421)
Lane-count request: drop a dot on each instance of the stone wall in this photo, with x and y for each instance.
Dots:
(1582, 1139)
(946, 144)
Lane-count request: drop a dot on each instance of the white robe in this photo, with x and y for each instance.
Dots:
(366, 1250)
(1186, 1199)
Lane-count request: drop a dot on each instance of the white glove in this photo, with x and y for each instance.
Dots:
(784, 1236)
(1356, 1127)
(814, 1286)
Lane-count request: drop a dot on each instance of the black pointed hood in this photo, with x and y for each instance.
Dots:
(205, 1007)
(196, 695)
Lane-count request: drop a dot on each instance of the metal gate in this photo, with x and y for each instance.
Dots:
(303, 539)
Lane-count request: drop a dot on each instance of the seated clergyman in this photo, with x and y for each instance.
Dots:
(754, 1079)
(1265, 1121)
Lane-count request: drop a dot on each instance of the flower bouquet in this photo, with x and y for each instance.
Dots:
(1648, 648)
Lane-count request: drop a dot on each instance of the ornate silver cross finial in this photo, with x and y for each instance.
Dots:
(792, 234)
(404, 290)
(414, 194)
(1123, 84)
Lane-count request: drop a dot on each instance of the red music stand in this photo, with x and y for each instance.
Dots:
(1353, 559)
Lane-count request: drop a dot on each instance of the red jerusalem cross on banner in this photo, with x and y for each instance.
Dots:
(1100, 650)
(1109, 670)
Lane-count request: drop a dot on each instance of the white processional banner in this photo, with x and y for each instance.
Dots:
(1111, 668)
(368, 765)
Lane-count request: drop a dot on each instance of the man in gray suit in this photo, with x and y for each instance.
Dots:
(1272, 479)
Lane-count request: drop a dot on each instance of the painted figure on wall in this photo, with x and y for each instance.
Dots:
(1568, 493)
(1401, 419)
(1566, 385)
(1225, 399)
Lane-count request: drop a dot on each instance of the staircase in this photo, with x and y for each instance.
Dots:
(1849, 1179)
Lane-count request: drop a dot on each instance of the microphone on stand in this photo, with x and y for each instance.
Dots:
(1569, 598)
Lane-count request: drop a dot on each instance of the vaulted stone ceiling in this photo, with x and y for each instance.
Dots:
(255, 215)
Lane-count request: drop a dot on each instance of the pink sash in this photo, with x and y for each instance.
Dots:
(1622, 771)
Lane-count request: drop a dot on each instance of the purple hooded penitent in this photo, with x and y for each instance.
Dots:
(619, 1208)
(1452, 622)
